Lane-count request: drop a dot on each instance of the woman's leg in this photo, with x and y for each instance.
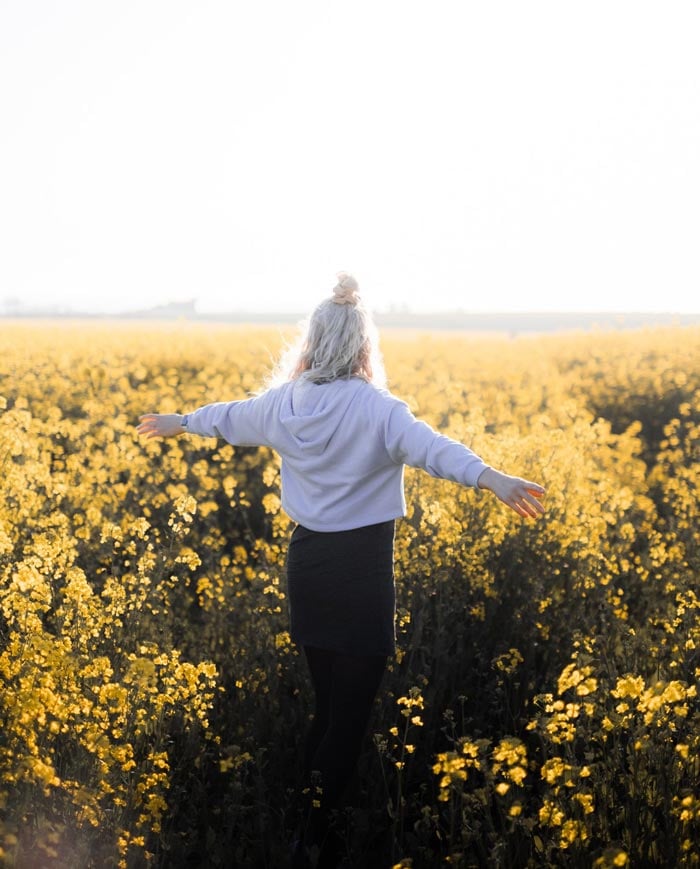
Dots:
(348, 699)
(320, 663)
(345, 687)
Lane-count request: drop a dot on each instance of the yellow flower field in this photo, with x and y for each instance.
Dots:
(542, 708)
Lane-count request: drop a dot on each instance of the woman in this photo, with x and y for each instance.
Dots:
(344, 441)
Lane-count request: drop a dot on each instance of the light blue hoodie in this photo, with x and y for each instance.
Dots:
(343, 445)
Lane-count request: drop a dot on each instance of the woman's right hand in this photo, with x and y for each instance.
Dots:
(520, 495)
(160, 425)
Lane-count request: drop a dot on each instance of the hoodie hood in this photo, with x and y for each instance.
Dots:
(312, 413)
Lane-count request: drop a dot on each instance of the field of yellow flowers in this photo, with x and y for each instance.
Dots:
(542, 709)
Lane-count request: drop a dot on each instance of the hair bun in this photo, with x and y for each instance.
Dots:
(345, 292)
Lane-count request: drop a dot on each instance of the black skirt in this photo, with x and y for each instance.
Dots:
(341, 589)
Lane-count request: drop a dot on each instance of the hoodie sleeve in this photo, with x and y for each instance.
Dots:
(413, 442)
(241, 423)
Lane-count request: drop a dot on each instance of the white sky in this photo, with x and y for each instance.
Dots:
(467, 154)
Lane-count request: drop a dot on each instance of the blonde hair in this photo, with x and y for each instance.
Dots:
(338, 341)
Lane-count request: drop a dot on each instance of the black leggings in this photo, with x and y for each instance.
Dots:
(345, 687)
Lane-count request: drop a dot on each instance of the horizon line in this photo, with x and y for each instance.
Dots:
(509, 322)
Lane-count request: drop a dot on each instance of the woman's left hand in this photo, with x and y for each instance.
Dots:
(160, 425)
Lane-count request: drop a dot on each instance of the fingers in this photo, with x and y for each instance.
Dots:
(148, 425)
(523, 508)
(147, 432)
(533, 488)
(159, 425)
(527, 499)
(533, 509)
(534, 502)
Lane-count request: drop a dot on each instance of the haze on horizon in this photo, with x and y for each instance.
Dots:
(453, 156)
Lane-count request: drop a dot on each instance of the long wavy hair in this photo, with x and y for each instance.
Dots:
(338, 341)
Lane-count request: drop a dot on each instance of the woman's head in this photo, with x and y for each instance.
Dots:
(339, 340)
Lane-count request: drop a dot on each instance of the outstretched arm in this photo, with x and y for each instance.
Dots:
(520, 495)
(161, 425)
(415, 443)
(241, 423)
